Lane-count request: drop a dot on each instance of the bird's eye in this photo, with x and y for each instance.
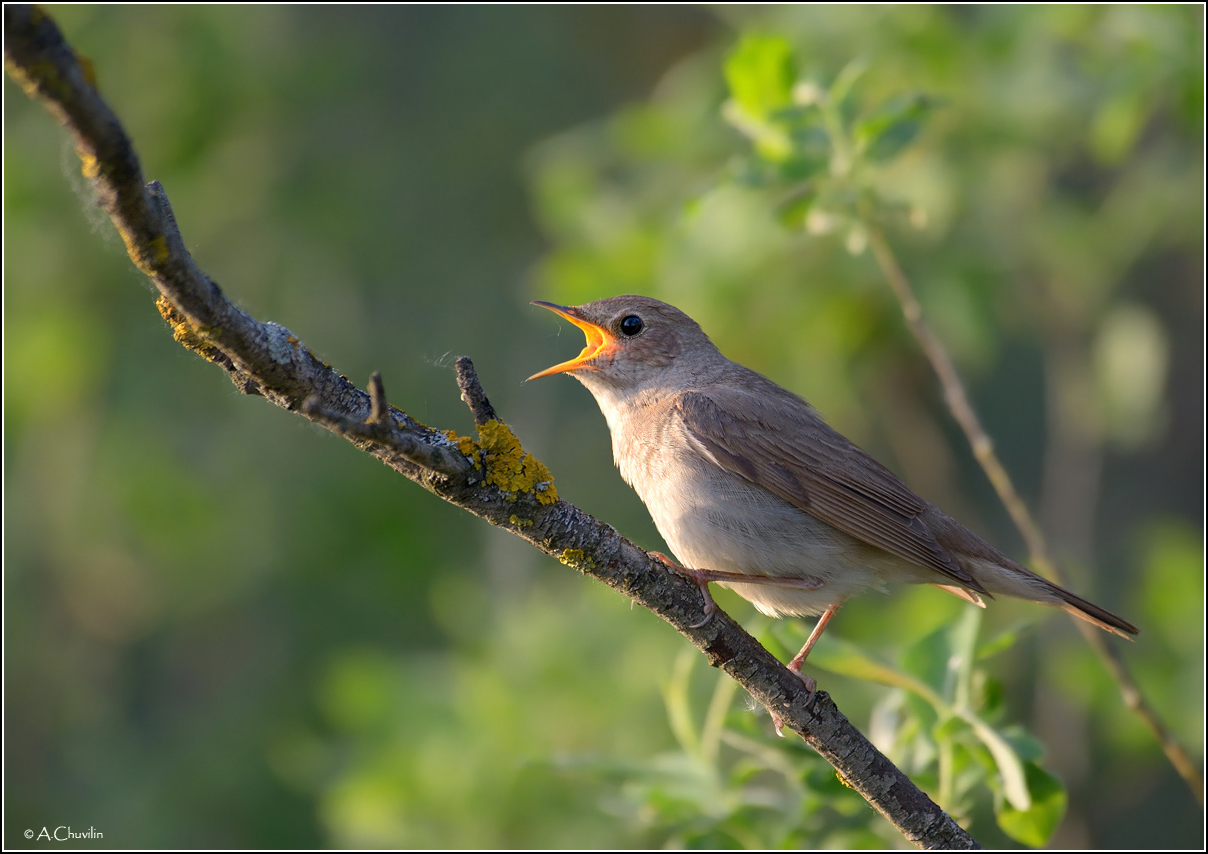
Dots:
(631, 325)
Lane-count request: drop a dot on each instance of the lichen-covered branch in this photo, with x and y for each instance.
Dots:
(489, 474)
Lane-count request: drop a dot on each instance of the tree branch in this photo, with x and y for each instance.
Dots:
(472, 393)
(490, 476)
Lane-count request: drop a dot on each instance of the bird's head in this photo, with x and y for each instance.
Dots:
(634, 342)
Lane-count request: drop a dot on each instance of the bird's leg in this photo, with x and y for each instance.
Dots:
(702, 577)
(798, 661)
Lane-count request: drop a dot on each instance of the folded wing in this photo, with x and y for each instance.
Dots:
(791, 452)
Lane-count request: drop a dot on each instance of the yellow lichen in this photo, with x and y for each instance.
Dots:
(90, 167)
(465, 444)
(148, 257)
(520, 523)
(185, 332)
(507, 464)
(577, 559)
(510, 468)
(27, 83)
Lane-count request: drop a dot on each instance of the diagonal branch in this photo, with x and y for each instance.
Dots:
(490, 476)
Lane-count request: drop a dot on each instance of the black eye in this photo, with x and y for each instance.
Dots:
(631, 325)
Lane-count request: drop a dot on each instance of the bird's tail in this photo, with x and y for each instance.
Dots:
(999, 574)
(1092, 613)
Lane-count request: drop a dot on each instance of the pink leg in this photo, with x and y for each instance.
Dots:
(798, 661)
(702, 577)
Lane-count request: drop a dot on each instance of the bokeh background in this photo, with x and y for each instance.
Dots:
(226, 628)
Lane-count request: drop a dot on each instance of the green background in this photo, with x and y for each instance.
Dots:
(226, 628)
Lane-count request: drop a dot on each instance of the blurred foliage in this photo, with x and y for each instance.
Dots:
(226, 629)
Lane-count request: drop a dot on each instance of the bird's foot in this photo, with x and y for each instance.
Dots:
(794, 666)
(702, 582)
(811, 685)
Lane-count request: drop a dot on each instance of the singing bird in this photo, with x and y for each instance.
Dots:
(751, 488)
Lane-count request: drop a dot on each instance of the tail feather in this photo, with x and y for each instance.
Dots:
(1073, 604)
(962, 593)
(999, 574)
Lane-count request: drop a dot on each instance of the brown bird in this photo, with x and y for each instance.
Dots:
(750, 487)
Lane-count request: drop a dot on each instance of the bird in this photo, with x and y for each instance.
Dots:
(751, 488)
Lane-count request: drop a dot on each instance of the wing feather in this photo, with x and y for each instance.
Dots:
(777, 441)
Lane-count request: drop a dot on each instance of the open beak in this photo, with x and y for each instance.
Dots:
(599, 340)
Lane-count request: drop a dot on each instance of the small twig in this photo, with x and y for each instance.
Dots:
(983, 449)
(472, 393)
(382, 431)
(378, 408)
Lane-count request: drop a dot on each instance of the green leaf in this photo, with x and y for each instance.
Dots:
(802, 167)
(844, 81)
(927, 660)
(753, 172)
(1010, 765)
(679, 707)
(1026, 745)
(793, 210)
(760, 72)
(1117, 126)
(962, 637)
(1001, 642)
(888, 131)
(989, 695)
(1035, 825)
(839, 656)
(771, 138)
(944, 658)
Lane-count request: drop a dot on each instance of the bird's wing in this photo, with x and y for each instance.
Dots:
(777, 441)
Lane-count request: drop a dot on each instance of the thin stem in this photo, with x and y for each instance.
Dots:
(947, 792)
(715, 720)
(983, 449)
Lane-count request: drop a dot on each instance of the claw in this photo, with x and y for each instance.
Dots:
(701, 582)
(710, 605)
(811, 685)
